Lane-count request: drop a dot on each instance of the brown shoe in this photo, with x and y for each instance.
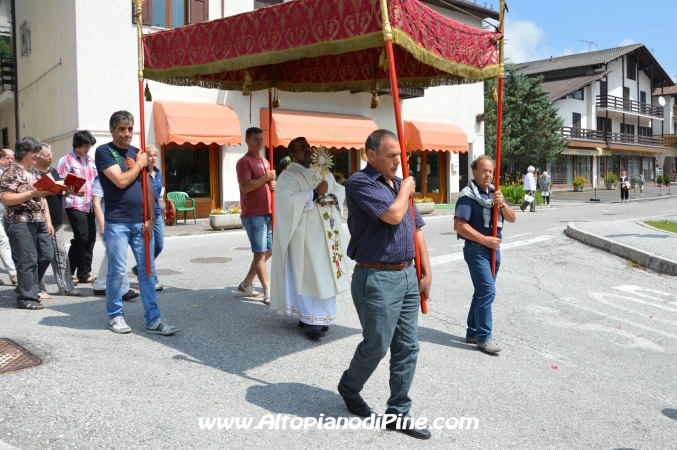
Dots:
(87, 280)
(13, 279)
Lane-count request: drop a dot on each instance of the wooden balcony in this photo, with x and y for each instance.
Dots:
(670, 140)
(612, 138)
(628, 106)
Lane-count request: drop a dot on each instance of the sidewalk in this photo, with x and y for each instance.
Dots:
(632, 240)
(613, 195)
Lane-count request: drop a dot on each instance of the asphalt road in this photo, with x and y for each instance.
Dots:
(589, 354)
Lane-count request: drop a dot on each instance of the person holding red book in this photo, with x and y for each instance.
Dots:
(79, 207)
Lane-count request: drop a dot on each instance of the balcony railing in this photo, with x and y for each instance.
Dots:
(610, 137)
(670, 139)
(6, 74)
(627, 105)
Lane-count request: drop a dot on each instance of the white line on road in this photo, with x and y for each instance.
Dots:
(574, 302)
(517, 235)
(555, 228)
(599, 296)
(443, 259)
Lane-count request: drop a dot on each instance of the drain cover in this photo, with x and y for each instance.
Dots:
(211, 260)
(15, 357)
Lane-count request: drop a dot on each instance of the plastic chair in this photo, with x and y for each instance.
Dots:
(179, 199)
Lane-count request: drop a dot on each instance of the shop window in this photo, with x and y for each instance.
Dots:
(187, 169)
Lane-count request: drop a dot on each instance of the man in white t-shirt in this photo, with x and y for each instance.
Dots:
(99, 286)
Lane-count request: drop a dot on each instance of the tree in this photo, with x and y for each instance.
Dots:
(531, 126)
(5, 50)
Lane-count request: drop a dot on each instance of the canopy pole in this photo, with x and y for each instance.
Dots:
(499, 127)
(271, 160)
(388, 38)
(142, 132)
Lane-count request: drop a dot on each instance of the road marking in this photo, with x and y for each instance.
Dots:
(636, 291)
(555, 228)
(574, 302)
(599, 297)
(517, 235)
(443, 259)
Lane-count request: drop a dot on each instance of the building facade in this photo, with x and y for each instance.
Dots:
(81, 66)
(610, 118)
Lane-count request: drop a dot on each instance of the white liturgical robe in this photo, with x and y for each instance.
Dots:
(309, 266)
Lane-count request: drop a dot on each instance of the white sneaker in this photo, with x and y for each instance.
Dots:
(160, 327)
(118, 325)
(248, 290)
(266, 298)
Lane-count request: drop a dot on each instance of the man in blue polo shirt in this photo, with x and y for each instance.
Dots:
(119, 165)
(385, 289)
(473, 221)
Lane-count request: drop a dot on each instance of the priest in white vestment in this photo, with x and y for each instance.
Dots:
(309, 266)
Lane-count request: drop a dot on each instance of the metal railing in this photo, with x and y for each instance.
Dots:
(627, 105)
(610, 137)
(6, 74)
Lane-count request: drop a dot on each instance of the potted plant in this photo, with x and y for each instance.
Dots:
(579, 184)
(225, 219)
(610, 180)
(425, 205)
(634, 181)
(659, 180)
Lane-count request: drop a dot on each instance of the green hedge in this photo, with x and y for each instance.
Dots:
(515, 194)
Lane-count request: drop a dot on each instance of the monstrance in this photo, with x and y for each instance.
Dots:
(322, 160)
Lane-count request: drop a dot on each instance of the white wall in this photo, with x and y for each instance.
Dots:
(47, 78)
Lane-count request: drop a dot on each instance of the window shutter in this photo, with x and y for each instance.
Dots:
(146, 17)
(199, 11)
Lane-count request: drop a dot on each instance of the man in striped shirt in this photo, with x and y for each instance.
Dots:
(79, 207)
(385, 289)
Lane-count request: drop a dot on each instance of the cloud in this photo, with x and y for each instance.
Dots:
(627, 41)
(523, 43)
(522, 39)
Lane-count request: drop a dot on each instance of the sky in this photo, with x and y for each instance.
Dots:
(539, 29)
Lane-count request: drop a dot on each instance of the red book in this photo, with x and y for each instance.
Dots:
(75, 181)
(47, 183)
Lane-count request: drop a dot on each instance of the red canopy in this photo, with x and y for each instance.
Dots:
(320, 46)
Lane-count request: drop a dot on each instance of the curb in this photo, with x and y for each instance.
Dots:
(644, 258)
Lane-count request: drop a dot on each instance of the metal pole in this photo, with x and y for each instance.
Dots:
(142, 132)
(15, 63)
(271, 160)
(499, 128)
(388, 38)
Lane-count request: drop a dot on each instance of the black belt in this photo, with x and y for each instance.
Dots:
(385, 266)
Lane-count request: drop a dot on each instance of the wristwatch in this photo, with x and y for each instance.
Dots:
(504, 205)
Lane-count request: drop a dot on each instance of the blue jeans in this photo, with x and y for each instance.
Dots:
(387, 304)
(259, 232)
(478, 258)
(117, 236)
(159, 240)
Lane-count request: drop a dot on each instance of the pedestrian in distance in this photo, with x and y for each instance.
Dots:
(473, 221)
(120, 166)
(27, 222)
(625, 186)
(256, 181)
(530, 190)
(79, 207)
(384, 285)
(544, 183)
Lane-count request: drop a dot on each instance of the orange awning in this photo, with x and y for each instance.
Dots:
(195, 122)
(435, 136)
(330, 130)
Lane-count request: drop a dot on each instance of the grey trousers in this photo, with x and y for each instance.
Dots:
(387, 303)
(32, 247)
(60, 264)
